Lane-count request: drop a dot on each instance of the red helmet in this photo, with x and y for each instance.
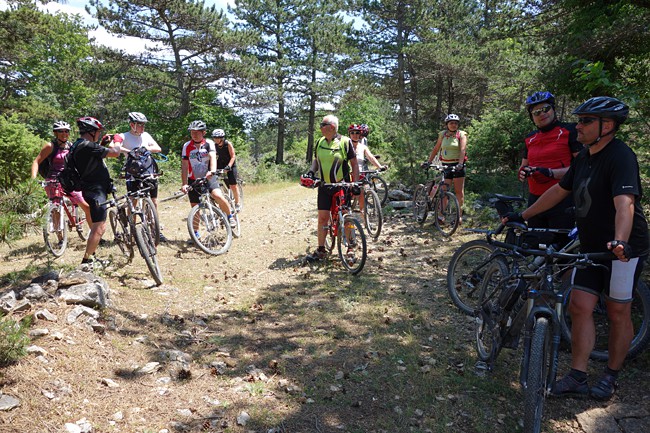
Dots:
(88, 124)
(364, 130)
(307, 181)
(354, 127)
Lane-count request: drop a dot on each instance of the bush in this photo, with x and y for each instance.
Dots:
(13, 340)
(18, 148)
(20, 210)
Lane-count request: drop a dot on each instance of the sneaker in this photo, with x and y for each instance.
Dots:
(162, 238)
(232, 221)
(568, 386)
(237, 208)
(605, 388)
(317, 255)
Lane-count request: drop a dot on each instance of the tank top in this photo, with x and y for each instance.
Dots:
(57, 162)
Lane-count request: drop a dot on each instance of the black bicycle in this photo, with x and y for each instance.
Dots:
(435, 196)
(377, 183)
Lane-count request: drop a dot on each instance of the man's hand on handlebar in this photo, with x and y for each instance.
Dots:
(185, 188)
(524, 172)
(621, 250)
(514, 217)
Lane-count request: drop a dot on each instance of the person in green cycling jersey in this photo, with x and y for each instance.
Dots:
(334, 156)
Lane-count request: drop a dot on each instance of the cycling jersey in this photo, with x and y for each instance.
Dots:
(132, 141)
(450, 146)
(223, 154)
(551, 147)
(332, 158)
(360, 151)
(198, 156)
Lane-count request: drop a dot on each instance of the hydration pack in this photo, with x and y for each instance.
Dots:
(70, 178)
(140, 163)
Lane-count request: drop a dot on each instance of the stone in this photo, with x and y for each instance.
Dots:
(243, 418)
(635, 425)
(77, 311)
(35, 333)
(398, 195)
(22, 305)
(45, 315)
(597, 420)
(110, 383)
(8, 302)
(90, 294)
(36, 350)
(148, 368)
(8, 402)
(33, 292)
(403, 204)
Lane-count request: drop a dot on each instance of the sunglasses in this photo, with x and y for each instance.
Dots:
(322, 124)
(138, 123)
(539, 111)
(355, 132)
(586, 120)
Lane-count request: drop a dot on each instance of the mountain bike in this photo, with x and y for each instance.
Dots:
(230, 198)
(227, 192)
(435, 196)
(515, 300)
(207, 224)
(131, 224)
(377, 183)
(62, 215)
(373, 215)
(344, 228)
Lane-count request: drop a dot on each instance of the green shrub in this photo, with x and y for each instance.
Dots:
(13, 340)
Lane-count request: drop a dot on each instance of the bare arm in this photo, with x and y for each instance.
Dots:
(371, 158)
(231, 151)
(213, 161)
(462, 149)
(184, 171)
(114, 151)
(435, 150)
(624, 205)
(355, 169)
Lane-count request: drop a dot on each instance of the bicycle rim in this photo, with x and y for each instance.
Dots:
(373, 215)
(209, 229)
(55, 231)
(447, 213)
(330, 239)
(538, 364)
(465, 273)
(147, 246)
(352, 245)
(488, 330)
(420, 204)
(121, 234)
(380, 187)
(151, 216)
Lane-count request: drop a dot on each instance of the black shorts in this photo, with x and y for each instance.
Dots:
(231, 176)
(453, 174)
(616, 280)
(194, 195)
(94, 195)
(133, 185)
(325, 194)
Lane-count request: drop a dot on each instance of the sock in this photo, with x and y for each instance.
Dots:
(613, 373)
(321, 249)
(579, 376)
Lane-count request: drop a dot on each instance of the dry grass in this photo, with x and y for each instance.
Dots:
(381, 352)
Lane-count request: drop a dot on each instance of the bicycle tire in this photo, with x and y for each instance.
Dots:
(640, 321)
(352, 238)
(55, 230)
(214, 233)
(538, 366)
(380, 186)
(149, 209)
(447, 215)
(147, 246)
(236, 231)
(465, 273)
(80, 223)
(488, 331)
(240, 189)
(330, 239)
(420, 204)
(373, 216)
(121, 234)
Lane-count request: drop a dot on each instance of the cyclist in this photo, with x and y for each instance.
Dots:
(134, 138)
(452, 145)
(606, 188)
(332, 154)
(355, 132)
(199, 159)
(226, 160)
(546, 156)
(56, 150)
(96, 181)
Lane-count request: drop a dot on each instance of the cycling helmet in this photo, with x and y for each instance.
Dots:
(365, 130)
(134, 116)
(604, 106)
(451, 117)
(60, 125)
(89, 124)
(218, 133)
(538, 98)
(197, 125)
(307, 181)
(354, 127)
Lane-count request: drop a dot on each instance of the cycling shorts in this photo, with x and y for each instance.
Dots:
(453, 174)
(94, 195)
(132, 185)
(195, 195)
(325, 194)
(231, 176)
(615, 280)
(75, 196)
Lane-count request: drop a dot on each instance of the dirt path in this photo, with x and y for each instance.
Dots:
(298, 349)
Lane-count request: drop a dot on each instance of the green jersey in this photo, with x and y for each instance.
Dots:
(333, 158)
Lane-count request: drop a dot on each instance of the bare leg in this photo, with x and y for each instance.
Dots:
(235, 193)
(323, 222)
(621, 332)
(583, 331)
(96, 232)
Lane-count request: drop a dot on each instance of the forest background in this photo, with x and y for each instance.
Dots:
(268, 70)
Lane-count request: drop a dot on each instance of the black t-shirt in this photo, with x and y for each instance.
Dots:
(223, 154)
(84, 155)
(595, 180)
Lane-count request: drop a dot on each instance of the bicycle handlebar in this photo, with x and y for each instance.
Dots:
(131, 194)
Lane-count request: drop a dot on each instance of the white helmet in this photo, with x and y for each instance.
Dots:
(60, 125)
(218, 133)
(197, 125)
(451, 117)
(136, 117)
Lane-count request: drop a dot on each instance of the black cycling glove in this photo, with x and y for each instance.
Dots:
(627, 251)
(514, 217)
(545, 171)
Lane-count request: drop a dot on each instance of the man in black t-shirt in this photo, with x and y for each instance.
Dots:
(95, 179)
(605, 184)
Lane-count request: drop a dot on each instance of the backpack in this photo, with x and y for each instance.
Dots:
(45, 164)
(140, 163)
(70, 178)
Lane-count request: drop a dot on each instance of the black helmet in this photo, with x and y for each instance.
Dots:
(136, 117)
(538, 98)
(604, 106)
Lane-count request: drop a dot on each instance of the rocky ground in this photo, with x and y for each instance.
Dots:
(253, 341)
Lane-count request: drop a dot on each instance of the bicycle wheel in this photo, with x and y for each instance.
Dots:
(352, 245)
(330, 239)
(488, 330)
(465, 273)
(209, 229)
(373, 216)
(147, 246)
(640, 321)
(538, 365)
(121, 233)
(240, 189)
(380, 186)
(151, 215)
(236, 230)
(55, 230)
(447, 211)
(80, 223)
(420, 204)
